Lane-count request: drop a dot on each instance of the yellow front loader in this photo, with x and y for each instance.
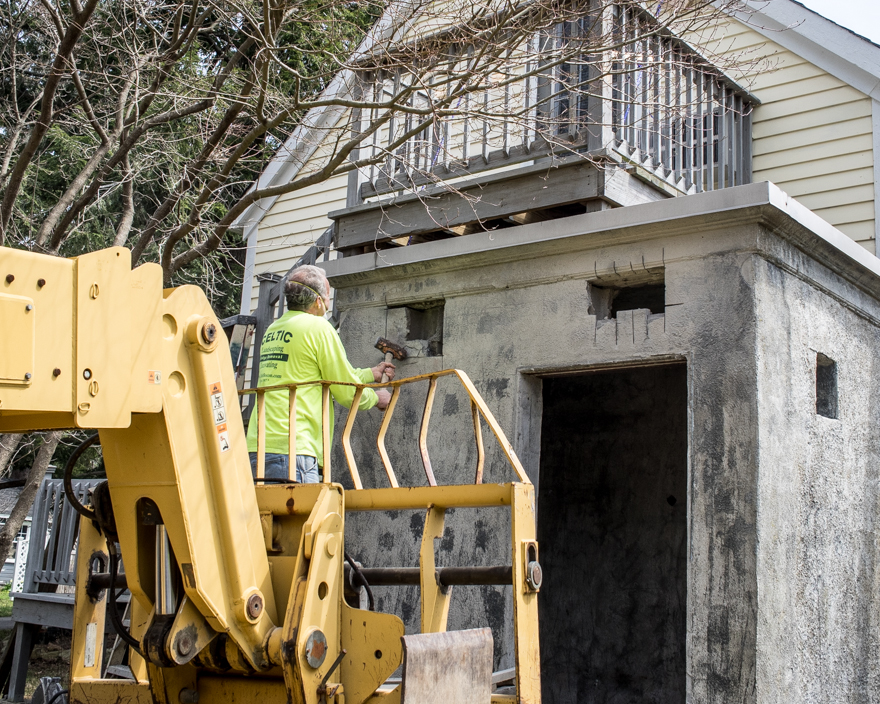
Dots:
(239, 592)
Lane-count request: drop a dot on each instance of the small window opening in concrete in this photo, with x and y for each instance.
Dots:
(612, 526)
(826, 386)
(424, 322)
(607, 302)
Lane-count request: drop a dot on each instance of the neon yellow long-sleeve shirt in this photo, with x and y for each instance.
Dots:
(301, 347)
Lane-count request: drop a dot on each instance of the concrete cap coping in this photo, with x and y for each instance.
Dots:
(761, 203)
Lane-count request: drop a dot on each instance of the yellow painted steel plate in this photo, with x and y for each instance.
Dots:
(17, 317)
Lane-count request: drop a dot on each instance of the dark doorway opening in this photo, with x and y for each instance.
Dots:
(612, 526)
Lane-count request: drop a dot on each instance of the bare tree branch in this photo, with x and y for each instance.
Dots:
(28, 493)
(8, 445)
(60, 66)
(127, 216)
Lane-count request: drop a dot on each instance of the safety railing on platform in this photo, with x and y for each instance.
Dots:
(479, 412)
(519, 568)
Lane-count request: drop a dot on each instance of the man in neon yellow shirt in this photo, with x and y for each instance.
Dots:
(302, 346)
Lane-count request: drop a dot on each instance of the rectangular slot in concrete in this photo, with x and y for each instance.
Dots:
(826, 386)
(607, 302)
(612, 526)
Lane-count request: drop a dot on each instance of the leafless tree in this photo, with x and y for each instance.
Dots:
(8, 445)
(144, 122)
(32, 480)
(206, 91)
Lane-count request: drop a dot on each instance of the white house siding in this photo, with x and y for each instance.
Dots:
(812, 134)
(292, 225)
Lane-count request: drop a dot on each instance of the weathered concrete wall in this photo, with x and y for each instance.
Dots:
(514, 314)
(818, 517)
(506, 323)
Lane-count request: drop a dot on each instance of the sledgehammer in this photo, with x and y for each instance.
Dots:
(390, 350)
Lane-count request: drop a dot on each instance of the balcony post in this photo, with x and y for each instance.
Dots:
(353, 191)
(600, 105)
(746, 125)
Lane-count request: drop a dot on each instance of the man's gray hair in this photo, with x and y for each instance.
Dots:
(304, 285)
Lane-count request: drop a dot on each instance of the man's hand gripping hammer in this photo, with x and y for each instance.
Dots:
(391, 351)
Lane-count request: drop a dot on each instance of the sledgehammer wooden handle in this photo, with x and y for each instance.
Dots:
(391, 351)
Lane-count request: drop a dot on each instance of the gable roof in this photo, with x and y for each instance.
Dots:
(844, 54)
(8, 499)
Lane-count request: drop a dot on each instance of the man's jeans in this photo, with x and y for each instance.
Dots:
(277, 467)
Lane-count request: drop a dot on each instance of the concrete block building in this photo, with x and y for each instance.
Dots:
(684, 365)
(690, 391)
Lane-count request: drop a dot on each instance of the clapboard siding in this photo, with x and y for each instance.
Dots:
(813, 116)
(804, 188)
(292, 225)
(849, 213)
(842, 196)
(855, 145)
(812, 133)
(819, 135)
(795, 72)
(309, 209)
(302, 210)
(808, 85)
(835, 98)
(276, 251)
(832, 165)
(293, 206)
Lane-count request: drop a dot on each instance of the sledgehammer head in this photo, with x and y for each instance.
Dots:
(387, 347)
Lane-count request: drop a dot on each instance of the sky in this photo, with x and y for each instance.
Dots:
(861, 16)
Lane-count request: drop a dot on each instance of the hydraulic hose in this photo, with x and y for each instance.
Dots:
(361, 579)
(89, 514)
(68, 477)
(115, 619)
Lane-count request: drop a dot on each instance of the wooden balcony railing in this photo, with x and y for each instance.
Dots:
(648, 99)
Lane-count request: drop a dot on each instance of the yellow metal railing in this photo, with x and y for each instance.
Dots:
(479, 412)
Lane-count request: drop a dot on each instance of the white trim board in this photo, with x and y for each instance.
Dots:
(250, 260)
(875, 120)
(845, 55)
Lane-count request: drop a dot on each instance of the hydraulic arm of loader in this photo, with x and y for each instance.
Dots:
(238, 594)
(91, 343)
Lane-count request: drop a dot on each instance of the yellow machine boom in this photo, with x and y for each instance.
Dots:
(238, 592)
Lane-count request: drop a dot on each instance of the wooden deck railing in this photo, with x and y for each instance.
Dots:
(649, 100)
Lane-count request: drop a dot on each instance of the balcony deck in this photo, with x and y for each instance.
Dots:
(544, 190)
(645, 119)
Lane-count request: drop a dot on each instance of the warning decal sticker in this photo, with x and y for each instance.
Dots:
(154, 377)
(218, 408)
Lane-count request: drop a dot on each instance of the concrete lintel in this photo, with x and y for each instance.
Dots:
(763, 203)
